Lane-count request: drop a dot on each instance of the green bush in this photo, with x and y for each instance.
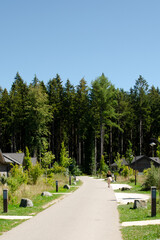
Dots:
(18, 173)
(13, 184)
(125, 171)
(152, 178)
(27, 160)
(3, 179)
(65, 160)
(16, 178)
(34, 173)
(103, 169)
(57, 168)
(132, 179)
(74, 168)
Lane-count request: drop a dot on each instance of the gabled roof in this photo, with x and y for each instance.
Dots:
(137, 158)
(7, 158)
(123, 163)
(154, 159)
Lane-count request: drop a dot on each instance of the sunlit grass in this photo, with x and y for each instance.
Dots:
(149, 232)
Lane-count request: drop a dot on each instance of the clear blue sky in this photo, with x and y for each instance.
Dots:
(76, 39)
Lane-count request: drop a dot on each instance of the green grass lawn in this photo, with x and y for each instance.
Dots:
(135, 189)
(6, 225)
(127, 213)
(149, 232)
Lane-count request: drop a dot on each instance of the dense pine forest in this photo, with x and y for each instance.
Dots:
(91, 122)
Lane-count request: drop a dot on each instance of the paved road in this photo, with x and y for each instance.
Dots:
(90, 213)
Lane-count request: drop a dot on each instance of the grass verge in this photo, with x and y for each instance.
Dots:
(149, 232)
(6, 225)
(38, 202)
(127, 213)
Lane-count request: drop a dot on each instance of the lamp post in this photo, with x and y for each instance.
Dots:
(152, 144)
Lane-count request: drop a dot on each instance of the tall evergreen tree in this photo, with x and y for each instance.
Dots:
(142, 110)
(39, 116)
(103, 103)
(5, 121)
(18, 94)
(55, 93)
(68, 117)
(81, 111)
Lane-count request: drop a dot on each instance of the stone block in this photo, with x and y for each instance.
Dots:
(46, 194)
(140, 204)
(125, 189)
(25, 202)
(66, 186)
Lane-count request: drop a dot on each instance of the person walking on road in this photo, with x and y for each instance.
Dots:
(109, 178)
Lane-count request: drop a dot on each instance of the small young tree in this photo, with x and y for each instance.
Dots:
(129, 154)
(118, 162)
(65, 160)
(46, 159)
(34, 173)
(103, 166)
(27, 160)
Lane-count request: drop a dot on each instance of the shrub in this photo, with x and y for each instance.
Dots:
(57, 168)
(132, 179)
(103, 166)
(74, 169)
(3, 179)
(50, 179)
(13, 184)
(65, 160)
(34, 173)
(47, 159)
(17, 178)
(119, 162)
(27, 160)
(152, 178)
(125, 171)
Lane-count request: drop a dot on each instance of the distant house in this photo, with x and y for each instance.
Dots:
(114, 165)
(143, 162)
(140, 163)
(9, 159)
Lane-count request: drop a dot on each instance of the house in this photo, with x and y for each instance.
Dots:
(141, 162)
(9, 159)
(114, 165)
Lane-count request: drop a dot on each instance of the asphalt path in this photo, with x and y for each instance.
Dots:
(90, 213)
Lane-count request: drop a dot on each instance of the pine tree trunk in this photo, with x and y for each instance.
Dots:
(83, 153)
(121, 143)
(140, 137)
(95, 154)
(102, 139)
(80, 153)
(52, 138)
(111, 146)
